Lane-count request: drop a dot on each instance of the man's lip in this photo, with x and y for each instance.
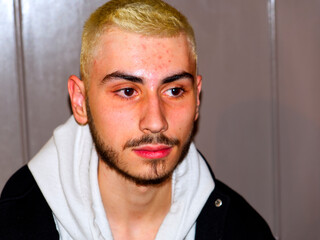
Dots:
(153, 151)
(152, 147)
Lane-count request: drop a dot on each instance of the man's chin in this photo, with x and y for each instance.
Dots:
(153, 172)
(149, 181)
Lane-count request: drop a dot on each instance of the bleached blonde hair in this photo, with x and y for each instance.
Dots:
(145, 17)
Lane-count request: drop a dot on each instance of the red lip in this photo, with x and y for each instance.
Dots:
(153, 151)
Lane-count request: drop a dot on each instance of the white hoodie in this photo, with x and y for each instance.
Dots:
(65, 170)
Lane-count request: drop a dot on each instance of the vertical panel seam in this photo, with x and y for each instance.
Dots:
(275, 117)
(21, 81)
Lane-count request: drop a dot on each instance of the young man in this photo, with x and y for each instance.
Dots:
(124, 167)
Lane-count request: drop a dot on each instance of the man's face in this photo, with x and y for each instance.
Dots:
(142, 103)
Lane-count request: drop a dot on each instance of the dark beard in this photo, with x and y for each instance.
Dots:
(111, 157)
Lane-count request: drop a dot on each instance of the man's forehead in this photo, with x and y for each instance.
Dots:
(131, 40)
(143, 56)
(147, 57)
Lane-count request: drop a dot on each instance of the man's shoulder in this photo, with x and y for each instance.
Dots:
(227, 215)
(20, 184)
(23, 209)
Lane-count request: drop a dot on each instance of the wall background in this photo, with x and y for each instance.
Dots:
(259, 125)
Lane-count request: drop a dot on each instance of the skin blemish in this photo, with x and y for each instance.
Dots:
(162, 66)
(159, 57)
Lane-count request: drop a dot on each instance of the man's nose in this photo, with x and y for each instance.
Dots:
(153, 119)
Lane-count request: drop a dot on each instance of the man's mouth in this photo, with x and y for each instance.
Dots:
(153, 151)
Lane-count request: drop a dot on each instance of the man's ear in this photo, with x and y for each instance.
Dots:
(77, 95)
(199, 86)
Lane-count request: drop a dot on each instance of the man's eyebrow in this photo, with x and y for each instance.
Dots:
(132, 78)
(121, 75)
(178, 76)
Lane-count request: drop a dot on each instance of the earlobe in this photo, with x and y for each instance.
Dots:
(77, 98)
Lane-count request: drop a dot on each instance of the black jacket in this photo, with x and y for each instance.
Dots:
(25, 214)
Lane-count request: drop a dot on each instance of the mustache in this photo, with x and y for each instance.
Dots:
(155, 139)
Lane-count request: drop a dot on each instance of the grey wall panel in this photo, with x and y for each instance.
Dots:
(235, 128)
(51, 54)
(10, 130)
(299, 87)
(52, 38)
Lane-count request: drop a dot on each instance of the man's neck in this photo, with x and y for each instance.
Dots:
(133, 212)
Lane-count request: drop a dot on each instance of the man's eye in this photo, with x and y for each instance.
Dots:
(175, 92)
(127, 92)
